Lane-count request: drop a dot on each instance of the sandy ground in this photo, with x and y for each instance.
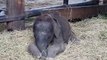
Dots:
(92, 34)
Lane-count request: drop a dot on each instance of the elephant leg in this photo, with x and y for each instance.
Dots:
(33, 50)
(55, 49)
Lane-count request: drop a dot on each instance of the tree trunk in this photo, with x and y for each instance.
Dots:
(15, 8)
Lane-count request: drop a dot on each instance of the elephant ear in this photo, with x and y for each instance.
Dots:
(57, 30)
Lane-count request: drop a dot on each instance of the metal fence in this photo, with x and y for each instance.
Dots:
(69, 11)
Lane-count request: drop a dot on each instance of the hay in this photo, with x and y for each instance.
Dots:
(29, 5)
(91, 32)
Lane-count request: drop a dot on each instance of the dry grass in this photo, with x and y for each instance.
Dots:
(2, 26)
(91, 32)
(35, 3)
(42, 3)
(93, 41)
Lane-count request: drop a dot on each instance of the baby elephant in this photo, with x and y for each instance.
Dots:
(52, 32)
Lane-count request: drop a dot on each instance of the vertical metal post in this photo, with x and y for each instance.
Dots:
(65, 2)
(15, 8)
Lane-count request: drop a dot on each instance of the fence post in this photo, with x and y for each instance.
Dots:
(15, 8)
(65, 2)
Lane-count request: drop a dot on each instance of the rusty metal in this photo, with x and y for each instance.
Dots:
(68, 11)
(105, 1)
(80, 12)
(14, 9)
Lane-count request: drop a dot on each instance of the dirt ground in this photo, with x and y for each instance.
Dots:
(92, 34)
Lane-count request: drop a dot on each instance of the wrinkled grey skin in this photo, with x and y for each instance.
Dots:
(43, 33)
(52, 32)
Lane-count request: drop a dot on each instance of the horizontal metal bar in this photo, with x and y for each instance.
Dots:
(37, 12)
